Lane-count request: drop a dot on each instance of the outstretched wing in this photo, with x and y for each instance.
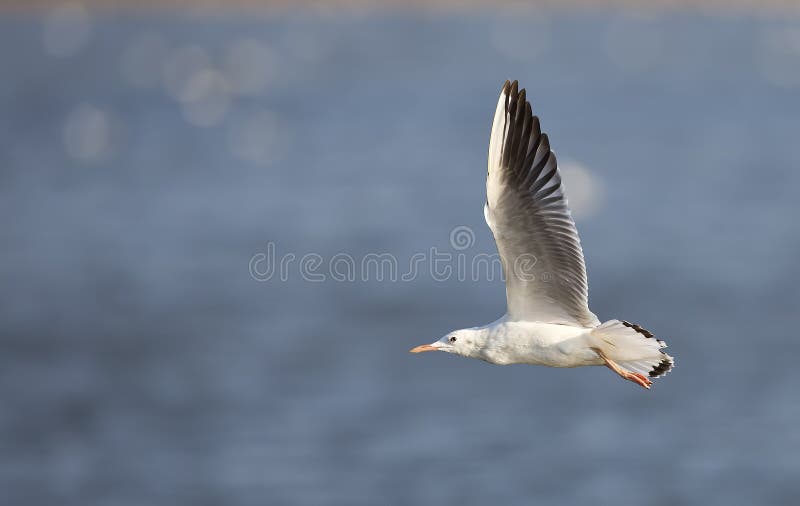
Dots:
(532, 226)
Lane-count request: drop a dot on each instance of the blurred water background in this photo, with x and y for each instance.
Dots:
(146, 157)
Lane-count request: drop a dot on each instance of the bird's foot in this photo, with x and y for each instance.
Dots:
(639, 379)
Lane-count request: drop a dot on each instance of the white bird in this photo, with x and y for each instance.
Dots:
(548, 321)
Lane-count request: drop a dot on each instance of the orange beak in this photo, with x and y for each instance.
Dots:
(424, 347)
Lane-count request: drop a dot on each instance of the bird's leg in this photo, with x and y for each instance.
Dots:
(637, 378)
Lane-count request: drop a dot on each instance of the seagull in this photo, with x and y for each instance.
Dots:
(547, 320)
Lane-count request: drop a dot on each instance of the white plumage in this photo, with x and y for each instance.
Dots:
(548, 321)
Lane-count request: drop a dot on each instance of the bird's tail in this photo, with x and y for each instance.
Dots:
(633, 348)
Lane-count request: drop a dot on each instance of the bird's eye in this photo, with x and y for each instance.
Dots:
(452, 339)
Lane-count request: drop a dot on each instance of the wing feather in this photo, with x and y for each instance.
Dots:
(526, 208)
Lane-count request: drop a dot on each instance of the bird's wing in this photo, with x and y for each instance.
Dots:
(532, 226)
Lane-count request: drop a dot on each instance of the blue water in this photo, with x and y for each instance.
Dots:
(142, 364)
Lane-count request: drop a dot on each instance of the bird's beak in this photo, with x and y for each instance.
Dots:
(424, 347)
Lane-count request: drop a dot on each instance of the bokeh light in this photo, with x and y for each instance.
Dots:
(88, 136)
(584, 191)
(207, 98)
(183, 73)
(202, 90)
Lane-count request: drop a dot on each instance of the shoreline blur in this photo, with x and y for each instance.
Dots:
(718, 7)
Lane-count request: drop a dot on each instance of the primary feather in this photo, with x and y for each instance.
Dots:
(527, 211)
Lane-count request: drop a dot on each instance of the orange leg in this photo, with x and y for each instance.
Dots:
(637, 378)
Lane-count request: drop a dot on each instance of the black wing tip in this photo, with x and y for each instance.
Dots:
(510, 89)
(537, 127)
(516, 98)
(516, 102)
(521, 155)
(545, 142)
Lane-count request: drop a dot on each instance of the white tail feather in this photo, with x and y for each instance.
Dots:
(633, 348)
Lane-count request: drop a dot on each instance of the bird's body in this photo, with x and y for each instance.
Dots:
(521, 342)
(548, 321)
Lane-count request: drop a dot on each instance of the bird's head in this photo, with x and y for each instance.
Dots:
(465, 342)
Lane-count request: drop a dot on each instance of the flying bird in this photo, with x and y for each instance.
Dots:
(548, 321)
